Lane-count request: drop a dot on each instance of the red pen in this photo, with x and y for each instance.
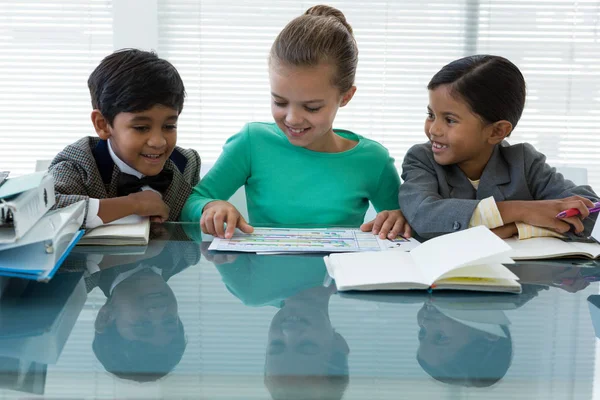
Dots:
(571, 212)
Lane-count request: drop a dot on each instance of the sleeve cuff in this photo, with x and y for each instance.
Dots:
(92, 219)
(527, 231)
(92, 263)
(486, 214)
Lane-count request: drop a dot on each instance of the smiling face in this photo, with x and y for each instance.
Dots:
(457, 135)
(305, 103)
(300, 340)
(145, 309)
(143, 140)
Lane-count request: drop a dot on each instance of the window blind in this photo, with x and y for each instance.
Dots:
(556, 44)
(221, 50)
(47, 51)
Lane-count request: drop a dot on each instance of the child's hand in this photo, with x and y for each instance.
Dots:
(216, 257)
(506, 231)
(543, 213)
(388, 224)
(150, 204)
(216, 214)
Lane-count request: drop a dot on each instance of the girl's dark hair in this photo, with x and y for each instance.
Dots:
(320, 35)
(132, 80)
(492, 86)
(481, 363)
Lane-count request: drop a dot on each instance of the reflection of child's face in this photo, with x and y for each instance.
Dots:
(300, 341)
(440, 338)
(145, 309)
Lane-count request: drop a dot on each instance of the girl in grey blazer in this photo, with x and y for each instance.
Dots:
(474, 104)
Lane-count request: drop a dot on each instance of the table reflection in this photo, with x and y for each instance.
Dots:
(138, 332)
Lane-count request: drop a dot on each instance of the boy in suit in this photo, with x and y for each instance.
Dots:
(468, 175)
(134, 165)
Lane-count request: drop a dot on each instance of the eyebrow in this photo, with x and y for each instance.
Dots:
(304, 102)
(445, 113)
(143, 118)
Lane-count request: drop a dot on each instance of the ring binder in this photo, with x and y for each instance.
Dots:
(42, 250)
(3, 176)
(23, 201)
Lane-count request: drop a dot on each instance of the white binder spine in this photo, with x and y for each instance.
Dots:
(20, 213)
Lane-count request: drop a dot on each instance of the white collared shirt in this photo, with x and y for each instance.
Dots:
(124, 275)
(93, 220)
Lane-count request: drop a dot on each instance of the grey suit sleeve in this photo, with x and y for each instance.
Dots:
(546, 183)
(427, 211)
(69, 185)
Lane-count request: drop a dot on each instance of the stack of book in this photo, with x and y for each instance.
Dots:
(33, 240)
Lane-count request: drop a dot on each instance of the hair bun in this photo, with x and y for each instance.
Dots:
(328, 11)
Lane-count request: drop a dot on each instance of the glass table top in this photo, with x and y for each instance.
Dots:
(173, 320)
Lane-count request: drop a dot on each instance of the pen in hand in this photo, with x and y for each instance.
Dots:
(571, 212)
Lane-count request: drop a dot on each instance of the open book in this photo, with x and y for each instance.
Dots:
(548, 247)
(127, 231)
(540, 248)
(467, 260)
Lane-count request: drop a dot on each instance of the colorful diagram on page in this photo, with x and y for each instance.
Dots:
(277, 240)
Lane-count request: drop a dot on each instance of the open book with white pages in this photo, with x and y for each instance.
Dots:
(540, 248)
(471, 259)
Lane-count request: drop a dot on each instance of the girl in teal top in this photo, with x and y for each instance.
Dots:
(299, 170)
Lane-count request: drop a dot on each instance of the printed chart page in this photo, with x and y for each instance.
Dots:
(329, 240)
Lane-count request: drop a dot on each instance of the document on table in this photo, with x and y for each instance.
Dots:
(326, 240)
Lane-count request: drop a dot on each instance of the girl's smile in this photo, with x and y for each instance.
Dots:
(304, 105)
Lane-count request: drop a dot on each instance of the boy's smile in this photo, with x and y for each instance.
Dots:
(143, 140)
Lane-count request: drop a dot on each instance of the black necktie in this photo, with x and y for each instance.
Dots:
(130, 184)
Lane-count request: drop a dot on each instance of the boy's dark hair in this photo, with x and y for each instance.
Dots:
(492, 86)
(480, 363)
(132, 80)
(136, 360)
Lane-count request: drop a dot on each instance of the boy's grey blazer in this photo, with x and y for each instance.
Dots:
(438, 199)
(85, 170)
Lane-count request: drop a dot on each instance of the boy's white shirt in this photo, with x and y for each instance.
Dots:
(93, 220)
(93, 265)
(486, 321)
(124, 275)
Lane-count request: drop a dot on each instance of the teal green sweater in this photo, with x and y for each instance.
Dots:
(288, 185)
(269, 280)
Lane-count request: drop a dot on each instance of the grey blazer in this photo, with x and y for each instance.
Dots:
(85, 170)
(438, 199)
